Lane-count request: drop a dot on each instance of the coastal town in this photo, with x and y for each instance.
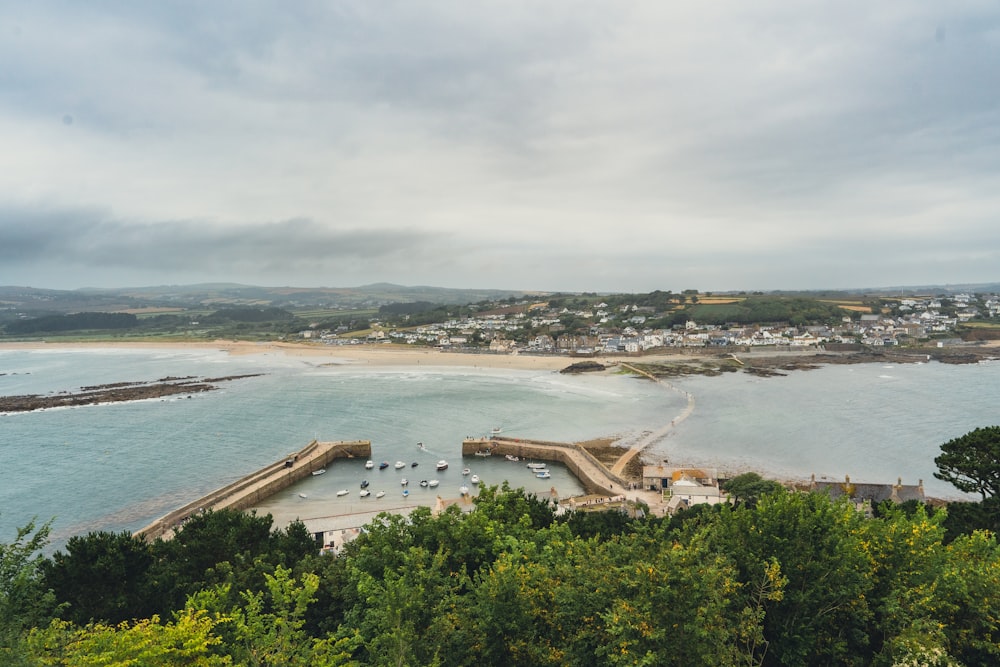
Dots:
(601, 329)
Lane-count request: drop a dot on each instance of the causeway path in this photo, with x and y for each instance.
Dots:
(649, 438)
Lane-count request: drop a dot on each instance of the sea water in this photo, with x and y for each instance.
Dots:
(875, 422)
(119, 466)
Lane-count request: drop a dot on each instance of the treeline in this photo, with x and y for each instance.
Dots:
(760, 310)
(276, 319)
(789, 579)
(74, 322)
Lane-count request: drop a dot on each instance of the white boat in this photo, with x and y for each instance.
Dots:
(442, 465)
(537, 466)
(302, 495)
(465, 471)
(319, 472)
(433, 483)
(464, 490)
(365, 493)
(474, 479)
(400, 464)
(496, 430)
(380, 494)
(404, 482)
(369, 464)
(543, 474)
(511, 457)
(484, 453)
(342, 492)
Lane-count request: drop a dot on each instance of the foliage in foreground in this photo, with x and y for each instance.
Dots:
(790, 579)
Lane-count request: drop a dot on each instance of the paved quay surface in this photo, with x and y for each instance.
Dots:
(250, 490)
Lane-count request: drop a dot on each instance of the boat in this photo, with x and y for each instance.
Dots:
(383, 465)
(399, 464)
(496, 430)
(364, 484)
(433, 483)
(319, 472)
(423, 482)
(380, 494)
(465, 471)
(474, 479)
(406, 493)
(414, 464)
(342, 492)
(464, 490)
(543, 474)
(484, 453)
(365, 493)
(420, 445)
(537, 466)
(511, 457)
(302, 495)
(404, 482)
(369, 464)
(442, 465)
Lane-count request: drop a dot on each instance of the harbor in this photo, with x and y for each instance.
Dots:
(264, 483)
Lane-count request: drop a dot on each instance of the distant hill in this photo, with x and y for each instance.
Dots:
(34, 300)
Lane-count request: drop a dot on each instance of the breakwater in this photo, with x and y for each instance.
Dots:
(252, 489)
(593, 475)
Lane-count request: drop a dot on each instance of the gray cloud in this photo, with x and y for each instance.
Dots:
(582, 145)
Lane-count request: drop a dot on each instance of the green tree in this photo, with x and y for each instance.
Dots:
(749, 487)
(24, 602)
(823, 614)
(101, 577)
(972, 462)
(186, 641)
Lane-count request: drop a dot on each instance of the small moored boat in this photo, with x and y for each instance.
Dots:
(404, 482)
(423, 482)
(511, 457)
(342, 492)
(433, 483)
(399, 464)
(536, 466)
(406, 493)
(365, 493)
(364, 484)
(319, 472)
(383, 465)
(474, 479)
(543, 474)
(302, 495)
(442, 465)
(380, 494)
(464, 490)
(414, 464)
(369, 464)
(465, 471)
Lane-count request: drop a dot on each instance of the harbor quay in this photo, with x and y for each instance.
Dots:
(332, 531)
(594, 476)
(255, 487)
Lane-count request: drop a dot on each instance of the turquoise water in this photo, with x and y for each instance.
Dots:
(874, 422)
(119, 466)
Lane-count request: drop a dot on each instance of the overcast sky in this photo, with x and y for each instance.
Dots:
(549, 145)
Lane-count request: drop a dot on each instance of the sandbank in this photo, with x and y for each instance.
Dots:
(378, 355)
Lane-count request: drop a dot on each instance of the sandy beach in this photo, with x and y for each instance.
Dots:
(381, 355)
